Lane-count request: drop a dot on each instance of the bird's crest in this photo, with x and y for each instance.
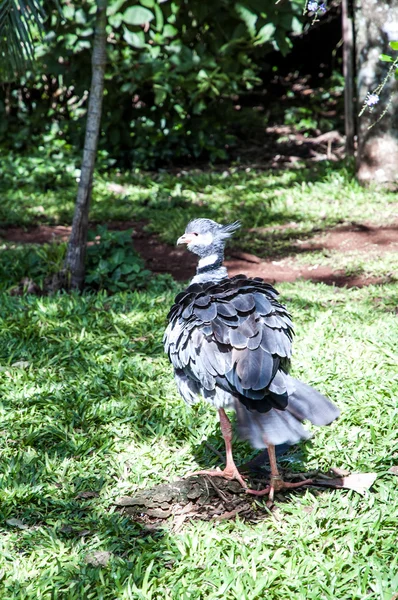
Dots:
(226, 231)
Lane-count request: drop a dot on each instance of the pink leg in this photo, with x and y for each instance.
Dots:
(231, 470)
(277, 484)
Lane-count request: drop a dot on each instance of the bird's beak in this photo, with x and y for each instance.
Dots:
(185, 239)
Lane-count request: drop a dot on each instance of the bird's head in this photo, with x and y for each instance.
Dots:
(205, 237)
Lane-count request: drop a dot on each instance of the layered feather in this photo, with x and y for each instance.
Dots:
(230, 342)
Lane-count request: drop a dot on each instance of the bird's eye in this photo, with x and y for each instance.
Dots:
(193, 233)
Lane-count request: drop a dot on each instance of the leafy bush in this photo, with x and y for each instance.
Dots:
(112, 263)
(173, 71)
(29, 262)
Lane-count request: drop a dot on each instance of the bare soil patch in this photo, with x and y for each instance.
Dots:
(366, 238)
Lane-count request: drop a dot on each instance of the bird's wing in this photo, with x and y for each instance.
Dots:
(234, 335)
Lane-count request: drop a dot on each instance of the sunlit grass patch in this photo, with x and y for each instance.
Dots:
(368, 263)
(88, 405)
(89, 411)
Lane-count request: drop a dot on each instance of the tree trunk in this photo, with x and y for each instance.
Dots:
(348, 70)
(376, 24)
(75, 258)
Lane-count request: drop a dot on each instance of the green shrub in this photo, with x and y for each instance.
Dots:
(170, 80)
(112, 263)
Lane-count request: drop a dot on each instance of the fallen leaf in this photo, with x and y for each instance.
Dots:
(308, 509)
(178, 522)
(17, 523)
(358, 482)
(21, 364)
(340, 472)
(159, 513)
(67, 529)
(393, 470)
(126, 501)
(98, 559)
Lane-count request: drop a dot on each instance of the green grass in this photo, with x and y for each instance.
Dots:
(370, 264)
(88, 404)
(314, 198)
(278, 209)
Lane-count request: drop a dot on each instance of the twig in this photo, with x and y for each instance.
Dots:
(217, 490)
(217, 452)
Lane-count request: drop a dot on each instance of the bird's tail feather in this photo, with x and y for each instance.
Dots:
(285, 426)
(306, 403)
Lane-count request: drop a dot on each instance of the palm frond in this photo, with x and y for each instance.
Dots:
(21, 21)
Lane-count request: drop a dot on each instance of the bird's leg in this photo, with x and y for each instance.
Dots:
(231, 470)
(276, 484)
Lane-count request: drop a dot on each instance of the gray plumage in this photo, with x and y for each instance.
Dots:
(230, 342)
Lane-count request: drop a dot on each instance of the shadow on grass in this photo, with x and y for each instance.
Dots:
(82, 544)
(47, 195)
(85, 551)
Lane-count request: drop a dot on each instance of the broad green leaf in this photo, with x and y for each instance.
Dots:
(265, 34)
(115, 20)
(394, 45)
(154, 51)
(160, 93)
(180, 110)
(159, 18)
(199, 107)
(386, 58)
(80, 17)
(126, 269)
(296, 25)
(115, 7)
(68, 11)
(133, 38)
(169, 31)
(137, 15)
(249, 17)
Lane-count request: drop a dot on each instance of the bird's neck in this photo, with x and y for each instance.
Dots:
(210, 268)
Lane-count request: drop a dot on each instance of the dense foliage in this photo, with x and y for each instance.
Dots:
(112, 264)
(174, 68)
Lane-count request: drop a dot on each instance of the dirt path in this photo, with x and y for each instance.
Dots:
(162, 258)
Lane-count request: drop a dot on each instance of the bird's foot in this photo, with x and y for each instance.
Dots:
(277, 485)
(230, 474)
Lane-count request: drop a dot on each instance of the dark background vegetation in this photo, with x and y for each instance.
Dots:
(196, 82)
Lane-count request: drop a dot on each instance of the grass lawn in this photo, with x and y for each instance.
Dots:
(88, 404)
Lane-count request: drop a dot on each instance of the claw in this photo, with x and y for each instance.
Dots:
(230, 474)
(277, 485)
